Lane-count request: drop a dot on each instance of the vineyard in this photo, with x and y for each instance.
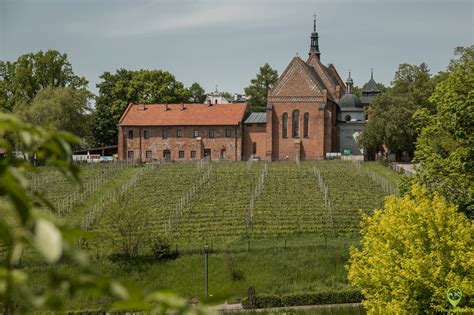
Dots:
(207, 201)
(285, 226)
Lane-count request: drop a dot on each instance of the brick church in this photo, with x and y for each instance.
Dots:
(311, 112)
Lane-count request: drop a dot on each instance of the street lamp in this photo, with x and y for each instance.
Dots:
(206, 253)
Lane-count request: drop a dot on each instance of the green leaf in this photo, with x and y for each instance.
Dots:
(48, 240)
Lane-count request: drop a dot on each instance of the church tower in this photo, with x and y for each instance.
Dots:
(314, 48)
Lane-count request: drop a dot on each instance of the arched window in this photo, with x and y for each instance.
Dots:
(296, 123)
(306, 125)
(284, 125)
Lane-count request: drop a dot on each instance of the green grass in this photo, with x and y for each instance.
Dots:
(290, 247)
(306, 264)
(385, 171)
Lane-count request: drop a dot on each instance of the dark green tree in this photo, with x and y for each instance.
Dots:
(198, 94)
(391, 120)
(21, 80)
(259, 87)
(117, 90)
(61, 109)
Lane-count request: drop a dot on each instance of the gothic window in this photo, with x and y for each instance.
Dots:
(296, 123)
(306, 125)
(284, 127)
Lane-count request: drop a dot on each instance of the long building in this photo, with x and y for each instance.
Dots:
(310, 112)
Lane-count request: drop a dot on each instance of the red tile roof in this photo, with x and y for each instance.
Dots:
(192, 115)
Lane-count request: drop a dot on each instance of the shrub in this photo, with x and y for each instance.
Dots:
(331, 296)
(161, 249)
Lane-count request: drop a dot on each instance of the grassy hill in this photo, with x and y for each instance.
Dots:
(284, 227)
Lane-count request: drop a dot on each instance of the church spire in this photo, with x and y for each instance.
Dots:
(314, 48)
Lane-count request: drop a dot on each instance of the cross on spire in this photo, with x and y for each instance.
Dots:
(314, 47)
(314, 21)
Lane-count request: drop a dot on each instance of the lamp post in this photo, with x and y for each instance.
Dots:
(206, 253)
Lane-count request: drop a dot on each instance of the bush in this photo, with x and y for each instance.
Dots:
(331, 296)
(161, 249)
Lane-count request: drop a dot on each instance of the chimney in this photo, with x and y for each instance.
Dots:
(182, 106)
(141, 106)
(167, 108)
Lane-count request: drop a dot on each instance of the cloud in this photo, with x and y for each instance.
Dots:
(153, 17)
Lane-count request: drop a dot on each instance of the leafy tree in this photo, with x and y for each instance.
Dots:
(259, 87)
(127, 229)
(62, 109)
(21, 80)
(390, 123)
(412, 251)
(198, 94)
(117, 90)
(357, 90)
(23, 226)
(445, 147)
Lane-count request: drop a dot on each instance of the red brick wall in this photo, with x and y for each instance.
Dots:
(312, 148)
(255, 133)
(232, 145)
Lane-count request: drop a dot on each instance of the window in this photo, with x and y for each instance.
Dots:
(130, 155)
(284, 125)
(181, 154)
(306, 125)
(146, 134)
(254, 148)
(211, 133)
(296, 123)
(223, 154)
(215, 101)
(179, 133)
(164, 134)
(130, 134)
(228, 133)
(196, 133)
(193, 154)
(148, 154)
(347, 118)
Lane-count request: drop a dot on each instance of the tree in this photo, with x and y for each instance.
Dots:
(259, 87)
(357, 90)
(445, 147)
(61, 109)
(21, 80)
(117, 90)
(24, 227)
(198, 94)
(127, 228)
(412, 251)
(391, 121)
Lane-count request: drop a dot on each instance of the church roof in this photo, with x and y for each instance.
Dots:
(349, 101)
(371, 86)
(256, 118)
(183, 115)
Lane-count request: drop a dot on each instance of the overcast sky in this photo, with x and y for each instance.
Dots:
(224, 42)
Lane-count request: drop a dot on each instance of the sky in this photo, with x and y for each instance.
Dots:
(225, 42)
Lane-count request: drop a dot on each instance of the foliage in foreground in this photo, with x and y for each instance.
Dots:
(23, 226)
(445, 147)
(413, 250)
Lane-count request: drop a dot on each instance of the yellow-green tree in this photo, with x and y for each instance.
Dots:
(411, 252)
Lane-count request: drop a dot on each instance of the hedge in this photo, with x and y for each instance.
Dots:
(331, 296)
